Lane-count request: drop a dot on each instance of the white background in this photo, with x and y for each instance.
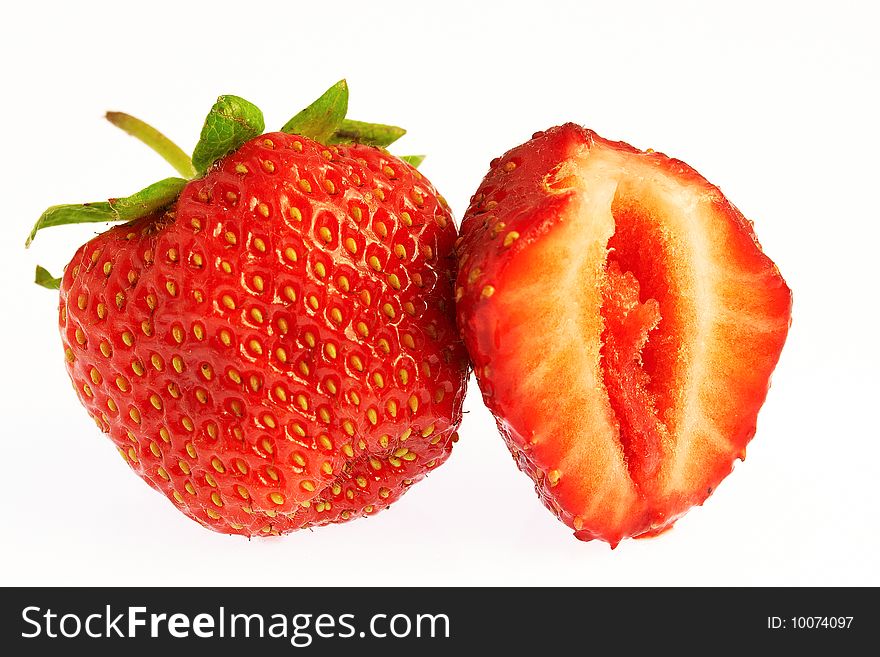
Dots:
(775, 102)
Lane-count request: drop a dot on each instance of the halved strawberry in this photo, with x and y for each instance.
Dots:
(623, 323)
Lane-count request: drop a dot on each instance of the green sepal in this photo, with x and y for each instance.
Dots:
(320, 120)
(230, 123)
(413, 160)
(371, 134)
(164, 147)
(148, 200)
(44, 279)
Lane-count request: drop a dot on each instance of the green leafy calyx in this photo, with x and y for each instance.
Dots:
(230, 123)
(170, 152)
(44, 279)
(320, 120)
(150, 199)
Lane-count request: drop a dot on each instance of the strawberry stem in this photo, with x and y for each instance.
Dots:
(170, 152)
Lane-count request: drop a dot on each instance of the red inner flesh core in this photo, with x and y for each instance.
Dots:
(638, 340)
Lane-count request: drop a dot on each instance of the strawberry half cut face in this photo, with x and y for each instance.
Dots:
(623, 323)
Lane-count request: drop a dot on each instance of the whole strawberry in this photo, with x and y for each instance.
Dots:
(271, 345)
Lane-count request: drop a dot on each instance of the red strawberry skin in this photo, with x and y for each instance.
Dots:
(278, 350)
(623, 325)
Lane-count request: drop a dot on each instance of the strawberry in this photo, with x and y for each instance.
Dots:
(623, 324)
(272, 344)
